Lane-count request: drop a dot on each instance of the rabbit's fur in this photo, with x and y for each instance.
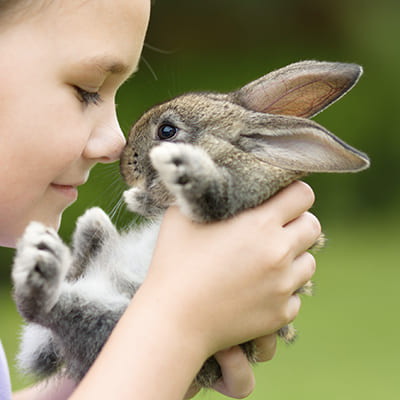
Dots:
(213, 155)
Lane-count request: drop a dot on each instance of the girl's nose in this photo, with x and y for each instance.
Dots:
(106, 142)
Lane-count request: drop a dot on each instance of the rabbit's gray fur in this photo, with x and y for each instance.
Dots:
(226, 153)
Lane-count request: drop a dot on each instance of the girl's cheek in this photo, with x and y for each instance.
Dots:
(73, 134)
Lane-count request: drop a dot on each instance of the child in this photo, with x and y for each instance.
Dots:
(209, 287)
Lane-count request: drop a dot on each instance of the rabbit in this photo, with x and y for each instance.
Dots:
(213, 155)
(249, 143)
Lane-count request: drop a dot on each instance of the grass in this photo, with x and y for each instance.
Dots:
(348, 333)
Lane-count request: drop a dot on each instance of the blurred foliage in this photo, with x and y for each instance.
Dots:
(219, 46)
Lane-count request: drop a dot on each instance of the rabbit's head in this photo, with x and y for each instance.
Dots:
(267, 117)
(186, 118)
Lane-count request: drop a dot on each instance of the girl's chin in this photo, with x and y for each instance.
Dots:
(48, 211)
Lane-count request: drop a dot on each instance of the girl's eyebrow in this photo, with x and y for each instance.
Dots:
(110, 64)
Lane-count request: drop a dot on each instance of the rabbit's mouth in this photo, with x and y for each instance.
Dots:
(130, 168)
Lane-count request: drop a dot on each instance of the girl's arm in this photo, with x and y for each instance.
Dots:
(54, 389)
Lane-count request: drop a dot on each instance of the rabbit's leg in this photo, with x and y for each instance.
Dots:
(40, 266)
(81, 317)
(94, 229)
(197, 183)
(82, 321)
(288, 333)
(39, 353)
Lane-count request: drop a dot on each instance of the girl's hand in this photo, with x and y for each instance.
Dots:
(233, 281)
(257, 256)
(238, 379)
(237, 374)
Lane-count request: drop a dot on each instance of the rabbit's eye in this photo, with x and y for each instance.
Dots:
(167, 131)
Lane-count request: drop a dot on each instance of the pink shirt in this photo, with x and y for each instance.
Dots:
(5, 385)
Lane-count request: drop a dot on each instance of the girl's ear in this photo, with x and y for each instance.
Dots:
(302, 89)
(298, 144)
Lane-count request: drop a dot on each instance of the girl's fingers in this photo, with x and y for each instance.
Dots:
(309, 227)
(293, 308)
(266, 347)
(193, 390)
(303, 268)
(237, 375)
(292, 201)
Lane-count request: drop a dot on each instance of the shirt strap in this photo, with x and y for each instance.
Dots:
(5, 383)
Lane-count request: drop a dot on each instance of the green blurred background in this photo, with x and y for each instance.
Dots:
(348, 346)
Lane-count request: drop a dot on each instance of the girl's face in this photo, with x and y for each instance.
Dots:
(59, 72)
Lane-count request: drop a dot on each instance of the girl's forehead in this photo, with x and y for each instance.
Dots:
(103, 25)
(18, 10)
(97, 35)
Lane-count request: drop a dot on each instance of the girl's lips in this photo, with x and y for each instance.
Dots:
(67, 190)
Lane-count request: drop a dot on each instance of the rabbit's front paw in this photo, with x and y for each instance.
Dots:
(141, 201)
(135, 199)
(41, 263)
(191, 176)
(181, 165)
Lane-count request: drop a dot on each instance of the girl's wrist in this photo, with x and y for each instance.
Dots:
(159, 307)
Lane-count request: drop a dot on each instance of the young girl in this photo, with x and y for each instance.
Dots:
(62, 62)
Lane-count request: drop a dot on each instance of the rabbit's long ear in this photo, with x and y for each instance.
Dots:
(302, 145)
(302, 89)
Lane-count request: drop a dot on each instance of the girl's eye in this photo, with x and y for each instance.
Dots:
(88, 97)
(167, 131)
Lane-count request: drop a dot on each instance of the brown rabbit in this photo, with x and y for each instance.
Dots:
(212, 154)
(217, 154)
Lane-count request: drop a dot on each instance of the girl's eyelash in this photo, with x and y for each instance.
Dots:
(88, 97)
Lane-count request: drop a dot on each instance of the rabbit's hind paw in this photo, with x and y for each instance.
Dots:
(41, 263)
(288, 333)
(94, 228)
